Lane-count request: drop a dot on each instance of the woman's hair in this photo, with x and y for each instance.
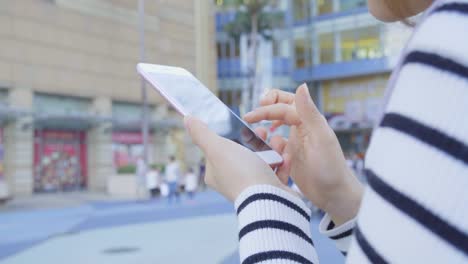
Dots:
(399, 9)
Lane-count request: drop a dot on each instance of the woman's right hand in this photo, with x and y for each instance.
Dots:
(314, 157)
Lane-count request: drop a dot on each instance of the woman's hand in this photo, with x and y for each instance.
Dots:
(317, 164)
(230, 167)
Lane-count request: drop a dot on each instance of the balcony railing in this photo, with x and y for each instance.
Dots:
(342, 69)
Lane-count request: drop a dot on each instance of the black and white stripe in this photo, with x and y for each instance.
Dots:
(265, 212)
(429, 135)
(275, 256)
(272, 197)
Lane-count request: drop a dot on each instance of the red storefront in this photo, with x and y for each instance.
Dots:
(60, 160)
(127, 147)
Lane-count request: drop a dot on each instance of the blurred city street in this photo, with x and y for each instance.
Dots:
(111, 231)
(82, 135)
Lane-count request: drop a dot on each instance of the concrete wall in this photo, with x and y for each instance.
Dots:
(65, 48)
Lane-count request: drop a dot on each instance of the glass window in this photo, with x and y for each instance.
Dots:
(368, 44)
(348, 45)
(362, 43)
(351, 4)
(324, 7)
(236, 49)
(327, 50)
(231, 97)
(301, 9)
(219, 49)
(223, 50)
(275, 46)
(303, 52)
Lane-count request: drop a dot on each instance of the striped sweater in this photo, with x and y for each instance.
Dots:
(415, 207)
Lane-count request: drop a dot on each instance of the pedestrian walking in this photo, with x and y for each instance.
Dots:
(172, 175)
(191, 183)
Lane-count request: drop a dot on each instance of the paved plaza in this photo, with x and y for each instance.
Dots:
(102, 230)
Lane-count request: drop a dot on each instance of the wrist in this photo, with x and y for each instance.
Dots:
(345, 202)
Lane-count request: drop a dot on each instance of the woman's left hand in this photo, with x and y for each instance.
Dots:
(230, 167)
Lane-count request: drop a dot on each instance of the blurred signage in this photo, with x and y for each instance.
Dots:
(359, 100)
(127, 147)
(127, 137)
(59, 135)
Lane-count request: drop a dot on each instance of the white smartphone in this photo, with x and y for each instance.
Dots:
(190, 97)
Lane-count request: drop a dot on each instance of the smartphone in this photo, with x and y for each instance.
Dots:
(190, 97)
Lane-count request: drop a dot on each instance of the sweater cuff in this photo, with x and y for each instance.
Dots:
(341, 235)
(273, 220)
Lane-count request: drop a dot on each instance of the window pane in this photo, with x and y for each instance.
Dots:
(299, 50)
(276, 47)
(324, 6)
(326, 48)
(236, 99)
(219, 49)
(368, 44)
(301, 10)
(348, 45)
(236, 49)
(351, 4)
(362, 43)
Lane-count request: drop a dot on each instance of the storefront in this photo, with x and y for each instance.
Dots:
(62, 126)
(60, 160)
(127, 147)
(352, 107)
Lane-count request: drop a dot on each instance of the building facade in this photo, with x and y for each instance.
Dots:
(337, 48)
(70, 98)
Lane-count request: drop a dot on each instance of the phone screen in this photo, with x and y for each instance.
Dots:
(195, 99)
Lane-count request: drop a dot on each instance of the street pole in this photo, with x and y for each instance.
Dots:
(144, 112)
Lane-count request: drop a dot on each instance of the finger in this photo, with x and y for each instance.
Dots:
(278, 143)
(284, 170)
(306, 108)
(275, 124)
(261, 132)
(201, 135)
(209, 180)
(283, 112)
(277, 96)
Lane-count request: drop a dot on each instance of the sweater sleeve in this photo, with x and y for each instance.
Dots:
(274, 227)
(341, 235)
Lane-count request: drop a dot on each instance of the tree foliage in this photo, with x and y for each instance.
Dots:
(267, 19)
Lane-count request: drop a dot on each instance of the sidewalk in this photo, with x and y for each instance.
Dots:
(54, 200)
(95, 230)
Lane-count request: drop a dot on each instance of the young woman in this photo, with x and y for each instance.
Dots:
(415, 207)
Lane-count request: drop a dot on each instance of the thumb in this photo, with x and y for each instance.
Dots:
(201, 135)
(305, 107)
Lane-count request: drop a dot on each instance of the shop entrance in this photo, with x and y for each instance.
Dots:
(59, 160)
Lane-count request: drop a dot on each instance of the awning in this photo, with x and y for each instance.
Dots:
(69, 121)
(130, 125)
(8, 113)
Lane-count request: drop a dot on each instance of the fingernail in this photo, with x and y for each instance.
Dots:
(272, 129)
(304, 85)
(247, 115)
